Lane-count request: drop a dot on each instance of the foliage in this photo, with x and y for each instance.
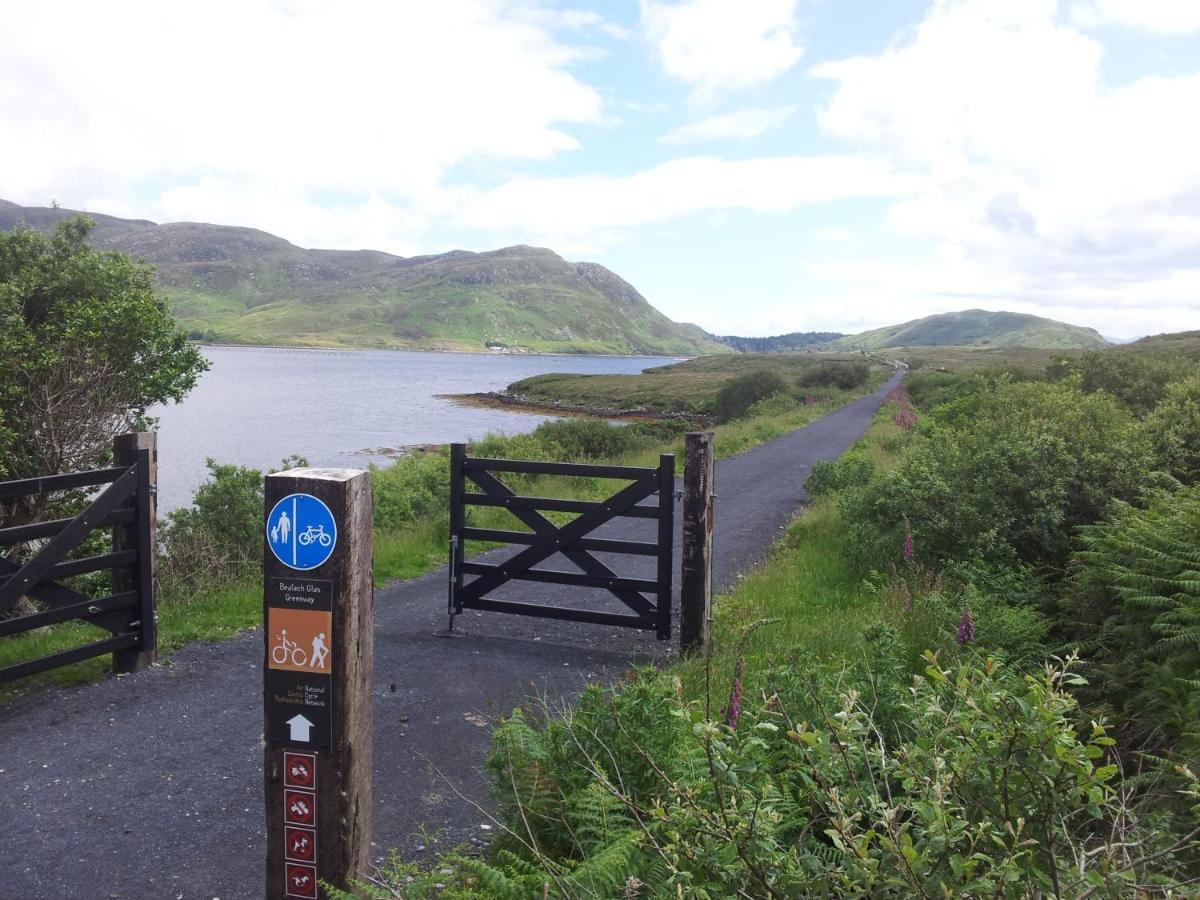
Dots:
(86, 348)
(976, 786)
(1007, 484)
(219, 538)
(1135, 590)
(933, 388)
(1174, 430)
(831, 475)
(1139, 380)
(410, 489)
(589, 439)
(845, 375)
(736, 397)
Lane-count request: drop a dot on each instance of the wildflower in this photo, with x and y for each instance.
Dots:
(966, 627)
(908, 542)
(734, 710)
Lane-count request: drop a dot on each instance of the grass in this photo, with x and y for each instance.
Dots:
(811, 597)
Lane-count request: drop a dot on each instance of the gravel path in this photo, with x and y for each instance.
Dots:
(150, 786)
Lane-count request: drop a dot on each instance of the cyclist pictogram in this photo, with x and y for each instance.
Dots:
(301, 531)
(287, 651)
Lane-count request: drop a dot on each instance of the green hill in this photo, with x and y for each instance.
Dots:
(976, 328)
(246, 286)
(780, 343)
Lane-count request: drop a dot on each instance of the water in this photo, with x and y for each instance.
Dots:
(257, 405)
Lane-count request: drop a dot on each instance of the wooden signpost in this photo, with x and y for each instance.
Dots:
(695, 587)
(317, 668)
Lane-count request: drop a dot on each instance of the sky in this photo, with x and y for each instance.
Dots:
(754, 166)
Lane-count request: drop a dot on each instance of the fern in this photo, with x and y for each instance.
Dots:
(1146, 563)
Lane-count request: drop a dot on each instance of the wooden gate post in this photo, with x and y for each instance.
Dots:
(695, 597)
(142, 535)
(317, 670)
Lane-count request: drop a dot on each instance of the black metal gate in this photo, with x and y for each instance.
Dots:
(649, 600)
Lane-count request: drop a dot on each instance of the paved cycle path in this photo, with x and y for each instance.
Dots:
(150, 785)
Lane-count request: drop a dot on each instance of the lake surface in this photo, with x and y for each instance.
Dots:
(257, 405)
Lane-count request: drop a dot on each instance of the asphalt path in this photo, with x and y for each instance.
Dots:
(150, 785)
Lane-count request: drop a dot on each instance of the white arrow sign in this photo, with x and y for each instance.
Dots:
(300, 728)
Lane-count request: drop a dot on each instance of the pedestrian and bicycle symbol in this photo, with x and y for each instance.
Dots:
(301, 531)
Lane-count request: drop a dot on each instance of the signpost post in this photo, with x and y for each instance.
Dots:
(317, 662)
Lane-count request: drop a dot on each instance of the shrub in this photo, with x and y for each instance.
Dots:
(1139, 380)
(845, 375)
(219, 537)
(1174, 430)
(979, 786)
(736, 397)
(1008, 484)
(411, 488)
(831, 475)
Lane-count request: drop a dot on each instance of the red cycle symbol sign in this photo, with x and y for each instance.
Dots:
(299, 808)
(300, 770)
(300, 844)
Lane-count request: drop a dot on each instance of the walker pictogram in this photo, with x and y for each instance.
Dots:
(301, 531)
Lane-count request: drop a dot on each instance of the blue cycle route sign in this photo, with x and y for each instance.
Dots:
(301, 531)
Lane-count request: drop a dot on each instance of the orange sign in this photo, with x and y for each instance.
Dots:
(300, 640)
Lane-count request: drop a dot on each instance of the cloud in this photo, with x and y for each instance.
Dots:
(1159, 16)
(716, 45)
(351, 101)
(589, 211)
(743, 125)
(1043, 184)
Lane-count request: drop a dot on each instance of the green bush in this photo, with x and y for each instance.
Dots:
(736, 396)
(1139, 380)
(1007, 484)
(586, 439)
(410, 489)
(1174, 430)
(978, 786)
(219, 537)
(833, 374)
(1136, 594)
(831, 475)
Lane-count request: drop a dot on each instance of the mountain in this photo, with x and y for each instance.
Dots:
(780, 343)
(242, 285)
(977, 328)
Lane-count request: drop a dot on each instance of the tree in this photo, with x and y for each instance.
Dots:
(86, 348)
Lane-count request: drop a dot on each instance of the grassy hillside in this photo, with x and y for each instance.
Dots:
(794, 340)
(246, 286)
(1185, 343)
(976, 328)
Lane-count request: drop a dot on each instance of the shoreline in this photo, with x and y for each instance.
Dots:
(325, 349)
(518, 403)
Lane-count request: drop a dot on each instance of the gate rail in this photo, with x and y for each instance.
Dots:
(570, 540)
(128, 611)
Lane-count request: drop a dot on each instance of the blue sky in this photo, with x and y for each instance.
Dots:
(755, 166)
